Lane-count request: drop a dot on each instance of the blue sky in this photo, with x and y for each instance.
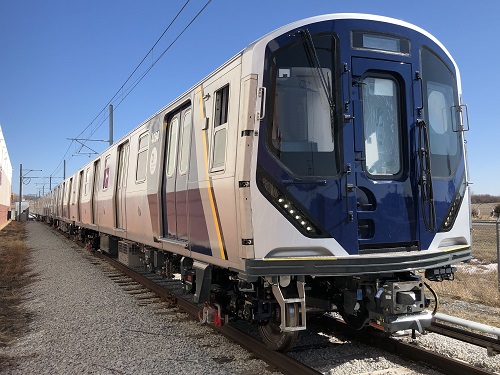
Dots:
(62, 61)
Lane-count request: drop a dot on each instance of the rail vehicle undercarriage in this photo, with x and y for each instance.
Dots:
(277, 304)
(388, 302)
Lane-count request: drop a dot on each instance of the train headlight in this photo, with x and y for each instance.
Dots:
(292, 211)
(452, 213)
(289, 208)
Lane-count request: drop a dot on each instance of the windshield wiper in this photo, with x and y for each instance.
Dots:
(313, 56)
(426, 191)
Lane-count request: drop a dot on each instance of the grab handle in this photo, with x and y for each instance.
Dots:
(262, 112)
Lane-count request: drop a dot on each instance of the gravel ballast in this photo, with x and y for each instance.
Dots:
(84, 323)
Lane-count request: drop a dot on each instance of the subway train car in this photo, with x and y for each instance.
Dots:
(322, 166)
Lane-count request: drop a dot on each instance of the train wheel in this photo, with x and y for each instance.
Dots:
(271, 333)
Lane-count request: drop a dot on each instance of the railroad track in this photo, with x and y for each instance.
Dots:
(284, 363)
(491, 344)
(409, 351)
(281, 362)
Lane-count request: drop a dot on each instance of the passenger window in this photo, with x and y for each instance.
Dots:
(142, 157)
(219, 149)
(221, 105)
(220, 129)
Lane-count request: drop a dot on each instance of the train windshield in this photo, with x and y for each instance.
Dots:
(440, 103)
(302, 133)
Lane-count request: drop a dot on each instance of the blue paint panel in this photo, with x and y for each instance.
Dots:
(392, 207)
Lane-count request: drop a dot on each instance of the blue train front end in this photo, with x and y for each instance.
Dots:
(360, 175)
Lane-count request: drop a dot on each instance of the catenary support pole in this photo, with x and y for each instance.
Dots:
(20, 191)
(498, 252)
(110, 124)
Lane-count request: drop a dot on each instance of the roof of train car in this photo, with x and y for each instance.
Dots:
(358, 16)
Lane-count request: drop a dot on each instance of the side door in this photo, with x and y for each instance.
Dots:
(382, 164)
(121, 185)
(79, 196)
(175, 177)
(67, 207)
(95, 189)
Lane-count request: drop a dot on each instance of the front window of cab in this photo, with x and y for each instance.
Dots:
(302, 134)
(440, 110)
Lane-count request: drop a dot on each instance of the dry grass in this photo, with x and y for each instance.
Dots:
(14, 277)
(476, 281)
(484, 242)
(472, 287)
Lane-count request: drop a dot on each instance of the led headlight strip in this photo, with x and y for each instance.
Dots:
(289, 208)
(452, 213)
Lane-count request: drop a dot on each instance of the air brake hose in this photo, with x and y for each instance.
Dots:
(436, 298)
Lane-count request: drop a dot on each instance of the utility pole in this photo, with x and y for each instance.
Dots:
(20, 191)
(21, 180)
(110, 124)
(498, 250)
(50, 181)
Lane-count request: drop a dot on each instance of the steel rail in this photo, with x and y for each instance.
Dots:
(409, 351)
(280, 361)
(491, 344)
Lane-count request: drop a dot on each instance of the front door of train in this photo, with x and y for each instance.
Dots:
(380, 166)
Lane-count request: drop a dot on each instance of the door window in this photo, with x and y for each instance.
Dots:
(185, 142)
(87, 173)
(173, 133)
(381, 123)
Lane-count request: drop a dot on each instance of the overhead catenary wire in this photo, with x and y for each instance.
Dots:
(134, 71)
(136, 82)
(58, 168)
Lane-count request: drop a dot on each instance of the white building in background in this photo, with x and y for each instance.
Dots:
(5, 180)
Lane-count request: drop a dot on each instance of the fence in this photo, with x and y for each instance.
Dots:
(478, 280)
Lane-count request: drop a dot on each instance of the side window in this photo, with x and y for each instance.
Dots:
(220, 129)
(185, 141)
(86, 183)
(105, 179)
(142, 157)
(440, 97)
